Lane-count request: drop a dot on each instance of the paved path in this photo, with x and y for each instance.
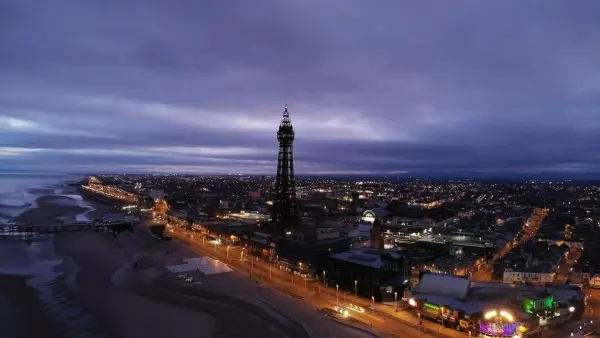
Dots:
(384, 319)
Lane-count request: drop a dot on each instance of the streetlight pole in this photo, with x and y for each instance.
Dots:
(373, 301)
(270, 268)
(337, 292)
(324, 278)
(355, 288)
(396, 299)
(242, 257)
(228, 251)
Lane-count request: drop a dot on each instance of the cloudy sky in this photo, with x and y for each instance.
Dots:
(418, 87)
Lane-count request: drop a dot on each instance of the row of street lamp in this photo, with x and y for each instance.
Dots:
(305, 281)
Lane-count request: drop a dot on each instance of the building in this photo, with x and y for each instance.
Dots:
(310, 245)
(376, 236)
(255, 194)
(444, 298)
(261, 243)
(285, 214)
(537, 274)
(157, 194)
(248, 217)
(367, 272)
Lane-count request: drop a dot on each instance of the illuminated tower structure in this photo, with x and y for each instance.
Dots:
(285, 213)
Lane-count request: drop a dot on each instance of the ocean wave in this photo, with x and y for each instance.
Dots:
(8, 202)
(10, 212)
(18, 193)
(73, 197)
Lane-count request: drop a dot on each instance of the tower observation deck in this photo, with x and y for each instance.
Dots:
(285, 213)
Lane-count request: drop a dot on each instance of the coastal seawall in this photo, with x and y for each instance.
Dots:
(99, 198)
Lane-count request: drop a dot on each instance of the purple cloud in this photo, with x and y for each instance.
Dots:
(467, 87)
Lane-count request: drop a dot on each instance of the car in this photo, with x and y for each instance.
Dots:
(189, 279)
(341, 310)
(356, 308)
(182, 276)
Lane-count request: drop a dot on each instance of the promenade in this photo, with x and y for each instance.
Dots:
(380, 319)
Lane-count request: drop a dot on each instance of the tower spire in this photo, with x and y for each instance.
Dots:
(286, 114)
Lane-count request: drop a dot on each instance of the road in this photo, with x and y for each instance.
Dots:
(564, 269)
(530, 228)
(381, 319)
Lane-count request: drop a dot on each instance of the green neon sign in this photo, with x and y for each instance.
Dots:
(431, 306)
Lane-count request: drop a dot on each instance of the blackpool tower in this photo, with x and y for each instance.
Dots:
(285, 213)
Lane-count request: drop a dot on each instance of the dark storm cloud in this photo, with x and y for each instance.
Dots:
(418, 87)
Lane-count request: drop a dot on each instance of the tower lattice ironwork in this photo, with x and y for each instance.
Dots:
(285, 213)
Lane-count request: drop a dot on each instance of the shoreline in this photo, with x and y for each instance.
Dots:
(28, 318)
(55, 210)
(119, 312)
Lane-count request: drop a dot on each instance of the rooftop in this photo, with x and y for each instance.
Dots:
(443, 285)
(453, 303)
(374, 258)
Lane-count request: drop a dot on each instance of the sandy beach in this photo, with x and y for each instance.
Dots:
(27, 317)
(54, 210)
(63, 286)
(37, 295)
(117, 311)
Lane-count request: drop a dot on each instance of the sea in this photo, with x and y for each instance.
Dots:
(50, 276)
(18, 193)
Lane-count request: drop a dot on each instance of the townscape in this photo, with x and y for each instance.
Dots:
(299, 169)
(388, 255)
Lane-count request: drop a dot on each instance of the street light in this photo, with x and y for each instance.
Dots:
(396, 299)
(337, 291)
(242, 256)
(373, 301)
(324, 278)
(355, 288)
(228, 247)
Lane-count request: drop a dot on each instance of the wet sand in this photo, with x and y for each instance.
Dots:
(120, 313)
(27, 318)
(99, 309)
(49, 211)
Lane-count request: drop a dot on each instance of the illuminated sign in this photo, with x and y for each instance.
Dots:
(368, 216)
(533, 305)
(430, 308)
(498, 323)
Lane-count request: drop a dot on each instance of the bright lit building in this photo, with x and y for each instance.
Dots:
(501, 323)
(533, 274)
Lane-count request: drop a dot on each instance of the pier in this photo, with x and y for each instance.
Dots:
(105, 194)
(35, 233)
(39, 232)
